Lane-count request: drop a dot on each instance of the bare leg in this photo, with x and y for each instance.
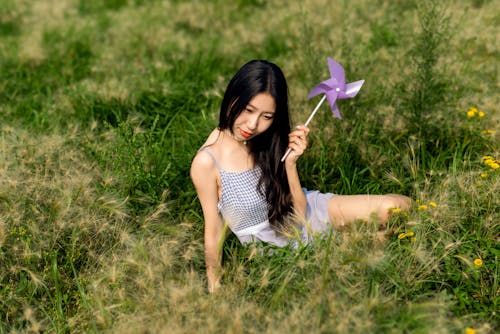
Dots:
(344, 209)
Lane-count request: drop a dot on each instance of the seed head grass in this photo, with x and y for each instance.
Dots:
(104, 104)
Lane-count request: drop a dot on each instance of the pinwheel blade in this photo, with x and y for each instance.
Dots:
(336, 71)
(335, 87)
(352, 89)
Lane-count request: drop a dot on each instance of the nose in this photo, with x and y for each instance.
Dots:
(253, 122)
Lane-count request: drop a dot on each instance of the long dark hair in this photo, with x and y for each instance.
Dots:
(255, 77)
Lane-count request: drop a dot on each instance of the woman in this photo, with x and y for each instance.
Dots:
(241, 182)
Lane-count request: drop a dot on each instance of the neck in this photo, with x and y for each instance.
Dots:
(230, 135)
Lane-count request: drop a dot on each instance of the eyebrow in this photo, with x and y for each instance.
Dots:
(254, 107)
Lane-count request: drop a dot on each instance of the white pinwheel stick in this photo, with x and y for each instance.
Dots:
(307, 122)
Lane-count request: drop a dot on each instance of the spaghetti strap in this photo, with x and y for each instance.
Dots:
(204, 149)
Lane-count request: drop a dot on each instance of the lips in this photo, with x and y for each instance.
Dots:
(245, 134)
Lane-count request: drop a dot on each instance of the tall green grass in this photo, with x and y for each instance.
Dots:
(104, 104)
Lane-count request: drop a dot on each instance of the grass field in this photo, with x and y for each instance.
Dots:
(103, 104)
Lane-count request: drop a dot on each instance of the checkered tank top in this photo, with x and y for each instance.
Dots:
(241, 205)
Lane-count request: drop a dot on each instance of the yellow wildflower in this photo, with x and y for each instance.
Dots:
(422, 207)
(395, 210)
(472, 112)
(433, 204)
(401, 236)
(490, 161)
(481, 114)
(413, 239)
(469, 330)
(483, 175)
(488, 132)
(410, 234)
(478, 262)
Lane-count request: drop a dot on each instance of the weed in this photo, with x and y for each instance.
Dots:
(104, 104)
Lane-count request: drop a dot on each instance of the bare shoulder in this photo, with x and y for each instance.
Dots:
(203, 165)
(202, 162)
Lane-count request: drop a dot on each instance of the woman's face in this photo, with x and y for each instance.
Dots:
(256, 118)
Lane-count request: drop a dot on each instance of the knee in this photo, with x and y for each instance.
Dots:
(397, 201)
(392, 201)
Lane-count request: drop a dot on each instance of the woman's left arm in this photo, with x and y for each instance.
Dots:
(297, 141)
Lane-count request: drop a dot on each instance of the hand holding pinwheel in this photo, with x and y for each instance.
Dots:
(333, 88)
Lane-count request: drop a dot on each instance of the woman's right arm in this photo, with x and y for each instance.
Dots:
(203, 174)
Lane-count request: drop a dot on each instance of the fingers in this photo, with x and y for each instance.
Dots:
(297, 141)
(214, 287)
(299, 135)
(303, 128)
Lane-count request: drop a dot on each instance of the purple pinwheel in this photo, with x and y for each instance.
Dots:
(335, 87)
